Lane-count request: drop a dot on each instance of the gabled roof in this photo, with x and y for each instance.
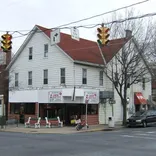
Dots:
(86, 50)
(82, 50)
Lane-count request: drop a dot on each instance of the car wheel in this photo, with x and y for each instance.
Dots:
(144, 124)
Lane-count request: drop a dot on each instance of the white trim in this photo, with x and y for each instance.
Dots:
(21, 48)
(88, 63)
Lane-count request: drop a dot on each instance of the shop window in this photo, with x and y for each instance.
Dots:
(15, 108)
(92, 109)
(29, 108)
(18, 108)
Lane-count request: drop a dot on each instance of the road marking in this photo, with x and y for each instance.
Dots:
(151, 132)
(136, 137)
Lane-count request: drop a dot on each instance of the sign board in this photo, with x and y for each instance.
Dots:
(55, 96)
(75, 34)
(55, 36)
(91, 97)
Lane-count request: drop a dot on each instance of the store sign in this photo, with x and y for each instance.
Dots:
(55, 96)
(91, 97)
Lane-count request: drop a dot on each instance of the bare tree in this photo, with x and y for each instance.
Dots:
(129, 66)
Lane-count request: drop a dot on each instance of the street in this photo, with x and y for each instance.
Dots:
(123, 142)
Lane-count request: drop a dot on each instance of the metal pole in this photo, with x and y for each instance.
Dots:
(86, 114)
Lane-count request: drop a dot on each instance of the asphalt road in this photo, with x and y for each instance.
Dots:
(124, 142)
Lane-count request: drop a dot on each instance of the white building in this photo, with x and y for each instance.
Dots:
(56, 80)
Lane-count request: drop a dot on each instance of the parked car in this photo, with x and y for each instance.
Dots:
(142, 118)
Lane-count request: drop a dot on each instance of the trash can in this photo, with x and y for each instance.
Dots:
(111, 122)
(2, 121)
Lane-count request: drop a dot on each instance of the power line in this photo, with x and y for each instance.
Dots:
(88, 18)
(92, 26)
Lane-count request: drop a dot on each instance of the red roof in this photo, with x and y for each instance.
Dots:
(86, 50)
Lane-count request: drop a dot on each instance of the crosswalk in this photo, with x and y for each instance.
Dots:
(150, 135)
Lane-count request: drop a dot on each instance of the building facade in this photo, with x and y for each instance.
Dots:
(60, 80)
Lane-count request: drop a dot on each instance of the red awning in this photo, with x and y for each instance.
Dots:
(139, 99)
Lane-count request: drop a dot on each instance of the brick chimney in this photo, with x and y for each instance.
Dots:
(128, 33)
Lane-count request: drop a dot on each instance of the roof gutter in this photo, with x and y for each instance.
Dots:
(88, 64)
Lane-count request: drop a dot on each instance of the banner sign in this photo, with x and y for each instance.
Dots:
(55, 96)
(91, 97)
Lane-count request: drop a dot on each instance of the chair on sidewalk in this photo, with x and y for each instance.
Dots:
(37, 124)
(27, 124)
(60, 123)
(48, 124)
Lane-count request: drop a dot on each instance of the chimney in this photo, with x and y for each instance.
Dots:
(128, 33)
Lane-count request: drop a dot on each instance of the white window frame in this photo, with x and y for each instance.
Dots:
(101, 78)
(62, 76)
(30, 78)
(84, 76)
(16, 79)
(45, 76)
(46, 48)
(30, 53)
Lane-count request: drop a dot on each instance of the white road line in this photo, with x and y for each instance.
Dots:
(152, 132)
(136, 137)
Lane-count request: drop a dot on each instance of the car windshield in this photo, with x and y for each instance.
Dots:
(141, 113)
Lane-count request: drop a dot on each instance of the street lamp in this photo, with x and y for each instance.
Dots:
(128, 100)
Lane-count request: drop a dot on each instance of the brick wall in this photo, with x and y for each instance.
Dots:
(92, 119)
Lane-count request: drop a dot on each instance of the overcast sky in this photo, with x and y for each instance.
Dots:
(19, 15)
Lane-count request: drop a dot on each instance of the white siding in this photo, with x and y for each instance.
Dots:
(56, 60)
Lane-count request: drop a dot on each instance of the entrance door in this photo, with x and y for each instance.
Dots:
(71, 111)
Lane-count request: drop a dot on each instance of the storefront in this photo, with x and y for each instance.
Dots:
(140, 102)
(65, 103)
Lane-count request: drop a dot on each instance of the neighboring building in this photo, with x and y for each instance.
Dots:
(50, 81)
(4, 79)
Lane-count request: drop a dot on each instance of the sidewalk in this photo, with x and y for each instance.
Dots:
(58, 130)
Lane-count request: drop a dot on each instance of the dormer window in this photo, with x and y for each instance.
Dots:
(30, 53)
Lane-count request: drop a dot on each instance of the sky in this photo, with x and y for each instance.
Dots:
(17, 15)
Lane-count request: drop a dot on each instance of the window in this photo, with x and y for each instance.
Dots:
(45, 76)
(63, 79)
(15, 108)
(143, 83)
(84, 76)
(30, 78)
(46, 50)
(16, 79)
(92, 109)
(30, 53)
(101, 78)
(29, 108)
(26, 108)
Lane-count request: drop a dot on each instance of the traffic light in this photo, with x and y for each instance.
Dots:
(6, 42)
(103, 35)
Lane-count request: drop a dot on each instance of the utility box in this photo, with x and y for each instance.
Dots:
(111, 123)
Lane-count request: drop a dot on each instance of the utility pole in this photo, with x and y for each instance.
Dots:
(2, 108)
